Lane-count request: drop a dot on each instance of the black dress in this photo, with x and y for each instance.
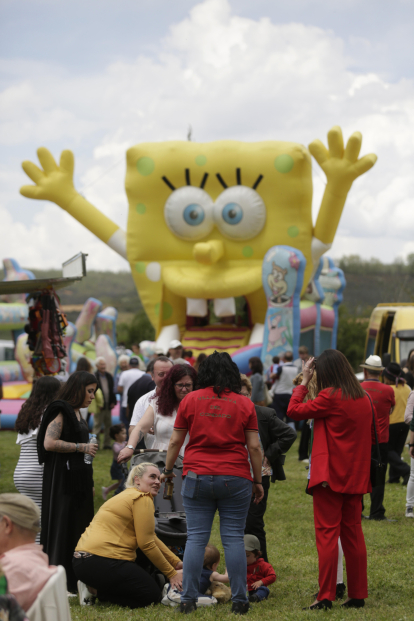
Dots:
(67, 497)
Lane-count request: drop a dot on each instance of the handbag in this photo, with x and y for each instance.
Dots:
(377, 467)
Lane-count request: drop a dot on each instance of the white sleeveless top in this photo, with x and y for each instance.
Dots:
(163, 428)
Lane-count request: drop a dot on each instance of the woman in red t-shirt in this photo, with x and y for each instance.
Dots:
(340, 470)
(221, 423)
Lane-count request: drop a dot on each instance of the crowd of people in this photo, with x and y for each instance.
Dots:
(231, 433)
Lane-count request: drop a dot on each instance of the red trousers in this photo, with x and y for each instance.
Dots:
(339, 515)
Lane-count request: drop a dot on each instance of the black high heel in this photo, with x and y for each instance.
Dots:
(340, 590)
(187, 607)
(354, 603)
(324, 604)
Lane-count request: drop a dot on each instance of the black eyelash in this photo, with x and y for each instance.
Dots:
(170, 185)
(220, 178)
(203, 181)
(258, 180)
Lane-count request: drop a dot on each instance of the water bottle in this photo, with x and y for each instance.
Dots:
(92, 440)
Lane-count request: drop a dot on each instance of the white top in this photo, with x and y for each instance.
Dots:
(287, 374)
(22, 438)
(141, 407)
(126, 380)
(163, 428)
(84, 413)
(139, 411)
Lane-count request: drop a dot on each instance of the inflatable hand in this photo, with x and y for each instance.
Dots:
(55, 183)
(341, 167)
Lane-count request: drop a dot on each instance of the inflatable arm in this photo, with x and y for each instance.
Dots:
(341, 167)
(55, 183)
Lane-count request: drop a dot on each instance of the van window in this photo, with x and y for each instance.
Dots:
(385, 333)
(370, 346)
(405, 347)
(393, 349)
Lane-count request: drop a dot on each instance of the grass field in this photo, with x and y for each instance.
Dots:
(292, 552)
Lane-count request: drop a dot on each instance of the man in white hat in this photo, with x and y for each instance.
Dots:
(383, 399)
(175, 350)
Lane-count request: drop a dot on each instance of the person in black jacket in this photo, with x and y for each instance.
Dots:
(276, 438)
(104, 417)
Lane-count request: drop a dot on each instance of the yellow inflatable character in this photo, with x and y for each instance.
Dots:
(202, 216)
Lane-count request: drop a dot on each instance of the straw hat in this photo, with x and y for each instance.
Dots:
(373, 363)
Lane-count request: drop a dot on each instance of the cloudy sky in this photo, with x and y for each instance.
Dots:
(102, 75)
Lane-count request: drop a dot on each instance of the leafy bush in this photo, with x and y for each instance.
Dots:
(351, 336)
(140, 329)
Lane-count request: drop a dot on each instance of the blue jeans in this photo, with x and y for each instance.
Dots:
(123, 418)
(201, 497)
(262, 592)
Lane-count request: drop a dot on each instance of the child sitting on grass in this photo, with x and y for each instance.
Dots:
(209, 573)
(259, 573)
(119, 434)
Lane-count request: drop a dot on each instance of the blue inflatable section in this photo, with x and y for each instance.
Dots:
(243, 355)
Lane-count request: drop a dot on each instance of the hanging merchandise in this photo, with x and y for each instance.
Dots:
(45, 331)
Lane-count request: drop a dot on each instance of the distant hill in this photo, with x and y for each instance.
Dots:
(368, 283)
(372, 282)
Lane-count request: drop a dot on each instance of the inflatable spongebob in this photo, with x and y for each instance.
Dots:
(202, 217)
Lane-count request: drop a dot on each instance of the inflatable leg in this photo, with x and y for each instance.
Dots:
(105, 349)
(333, 282)
(105, 323)
(282, 275)
(86, 319)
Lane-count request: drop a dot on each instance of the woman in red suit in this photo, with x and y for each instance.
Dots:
(340, 471)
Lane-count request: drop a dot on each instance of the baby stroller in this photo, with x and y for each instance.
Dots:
(170, 520)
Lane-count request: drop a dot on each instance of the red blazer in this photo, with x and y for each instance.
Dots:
(342, 437)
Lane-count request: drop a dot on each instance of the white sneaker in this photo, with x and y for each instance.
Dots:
(409, 512)
(86, 598)
(172, 597)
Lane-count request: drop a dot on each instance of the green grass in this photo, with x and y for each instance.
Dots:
(292, 552)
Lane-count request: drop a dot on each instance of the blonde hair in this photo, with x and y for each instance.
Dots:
(138, 471)
(312, 386)
(246, 382)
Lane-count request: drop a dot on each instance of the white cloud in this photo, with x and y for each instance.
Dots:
(229, 77)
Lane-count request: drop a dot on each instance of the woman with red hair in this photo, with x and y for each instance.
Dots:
(160, 415)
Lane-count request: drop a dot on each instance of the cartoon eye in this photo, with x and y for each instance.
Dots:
(188, 213)
(239, 212)
(232, 213)
(194, 214)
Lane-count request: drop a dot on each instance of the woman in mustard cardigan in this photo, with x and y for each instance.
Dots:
(104, 558)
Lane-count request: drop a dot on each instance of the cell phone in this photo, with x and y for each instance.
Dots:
(192, 475)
